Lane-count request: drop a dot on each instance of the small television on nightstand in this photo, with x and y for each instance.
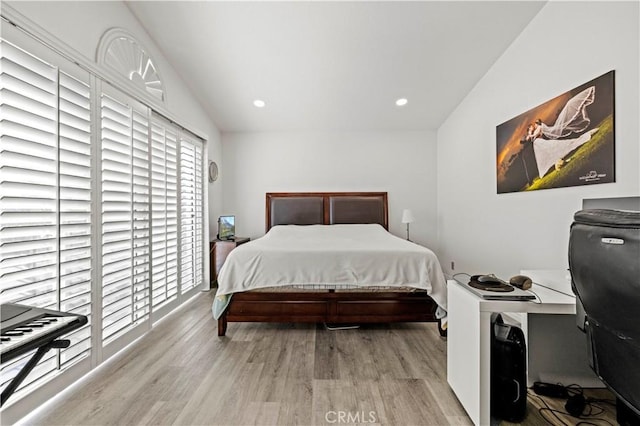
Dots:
(226, 227)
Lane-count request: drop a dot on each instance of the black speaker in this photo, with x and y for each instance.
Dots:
(508, 371)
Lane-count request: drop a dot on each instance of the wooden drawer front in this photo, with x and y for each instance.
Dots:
(278, 309)
(394, 308)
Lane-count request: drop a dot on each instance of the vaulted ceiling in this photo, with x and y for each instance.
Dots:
(333, 65)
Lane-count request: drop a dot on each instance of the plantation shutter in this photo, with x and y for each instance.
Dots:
(141, 219)
(125, 217)
(75, 211)
(45, 197)
(90, 217)
(29, 197)
(164, 216)
(191, 213)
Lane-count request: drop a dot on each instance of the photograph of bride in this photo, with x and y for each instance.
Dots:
(566, 141)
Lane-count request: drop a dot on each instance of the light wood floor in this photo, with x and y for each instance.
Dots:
(181, 373)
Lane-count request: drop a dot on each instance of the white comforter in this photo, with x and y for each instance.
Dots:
(360, 255)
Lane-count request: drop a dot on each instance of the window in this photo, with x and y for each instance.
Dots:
(121, 51)
(45, 197)
(91, 220)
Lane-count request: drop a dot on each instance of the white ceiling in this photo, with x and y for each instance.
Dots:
(332, 65)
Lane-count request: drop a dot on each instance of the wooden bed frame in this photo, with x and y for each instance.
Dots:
(328, 306)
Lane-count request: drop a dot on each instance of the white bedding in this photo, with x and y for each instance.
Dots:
(360, 255)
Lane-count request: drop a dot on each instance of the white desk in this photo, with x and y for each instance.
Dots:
(469, 337)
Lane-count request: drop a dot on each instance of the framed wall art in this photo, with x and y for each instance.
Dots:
(566, 141)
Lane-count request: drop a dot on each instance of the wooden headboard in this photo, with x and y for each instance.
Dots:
(326, 208)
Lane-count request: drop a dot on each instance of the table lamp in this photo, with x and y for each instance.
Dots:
(407, 217)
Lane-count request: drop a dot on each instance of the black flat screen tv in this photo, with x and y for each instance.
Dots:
(226, 227)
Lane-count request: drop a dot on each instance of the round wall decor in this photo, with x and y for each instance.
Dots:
(213, 171)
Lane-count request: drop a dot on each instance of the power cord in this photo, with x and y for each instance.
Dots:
(537, 300)
(547, 409)
(576, 406)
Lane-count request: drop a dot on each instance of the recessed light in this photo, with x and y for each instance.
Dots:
(258, 103)
(401, 102)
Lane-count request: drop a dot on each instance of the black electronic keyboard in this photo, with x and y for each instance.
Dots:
(25, 328)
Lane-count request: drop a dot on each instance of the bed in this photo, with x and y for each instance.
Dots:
(329, 258)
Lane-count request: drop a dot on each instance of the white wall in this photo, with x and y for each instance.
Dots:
(565, 45)
(401, 163)
(81, 24)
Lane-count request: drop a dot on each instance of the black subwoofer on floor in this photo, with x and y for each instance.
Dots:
(508, 371)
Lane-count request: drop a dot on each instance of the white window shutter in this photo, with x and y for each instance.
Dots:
(191, 213)
(164, 216)
(117, 217)
(135, 223)
(75, 210)
(141, 219)
(45, 198)
(125, 216)
(28, 180)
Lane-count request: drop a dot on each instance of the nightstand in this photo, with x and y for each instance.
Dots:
(218, 252)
